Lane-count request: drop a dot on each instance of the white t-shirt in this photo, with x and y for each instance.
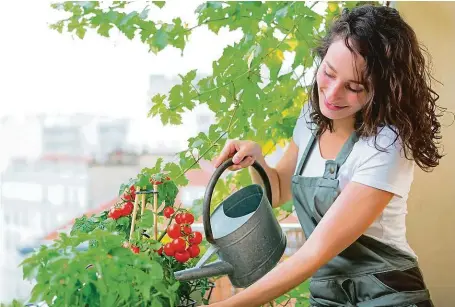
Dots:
(389, 171)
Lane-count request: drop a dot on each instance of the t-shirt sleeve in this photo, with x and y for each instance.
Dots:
(387, 170)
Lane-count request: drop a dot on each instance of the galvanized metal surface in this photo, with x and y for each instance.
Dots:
(246, 234)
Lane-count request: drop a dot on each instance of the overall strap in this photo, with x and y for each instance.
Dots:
(333, 166)
(304, 158)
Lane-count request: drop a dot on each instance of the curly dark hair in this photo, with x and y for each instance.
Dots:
(397, 79)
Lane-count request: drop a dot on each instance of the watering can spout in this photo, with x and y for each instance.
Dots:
(202, 270)
(210, 270)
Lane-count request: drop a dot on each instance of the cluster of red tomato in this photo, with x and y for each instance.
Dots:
(185, 243)
(125, 207)
(135, 249)
(158, 181)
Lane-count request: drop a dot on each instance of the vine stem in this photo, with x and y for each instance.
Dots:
(286, 303)
(231, 121)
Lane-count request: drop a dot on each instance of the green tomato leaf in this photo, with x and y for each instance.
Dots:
(159, 40)
(288, 207)
(159, 4)
(156, 303)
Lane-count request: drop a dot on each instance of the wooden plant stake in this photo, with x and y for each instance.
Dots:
(155, 210)
(133, 221)
(143, 204)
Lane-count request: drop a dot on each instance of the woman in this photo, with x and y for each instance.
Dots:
(349, 168)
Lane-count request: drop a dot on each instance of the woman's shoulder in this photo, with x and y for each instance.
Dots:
(383, 150)
(304, 126)
(386, 139)
(380, 162)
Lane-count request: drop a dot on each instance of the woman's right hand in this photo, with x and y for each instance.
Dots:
(243, 154)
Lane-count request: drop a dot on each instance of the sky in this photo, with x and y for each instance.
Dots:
(45, 71)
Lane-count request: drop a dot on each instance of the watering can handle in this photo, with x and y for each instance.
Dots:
(211, 186)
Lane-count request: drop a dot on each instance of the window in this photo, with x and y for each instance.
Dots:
(72, 195)
(56, 194)
(82, 197)
(23, 191)
(24, 218)
(48, 221)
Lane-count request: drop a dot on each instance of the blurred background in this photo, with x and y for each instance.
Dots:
(73, 127)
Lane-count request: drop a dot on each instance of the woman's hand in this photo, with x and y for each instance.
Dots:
(243, 154)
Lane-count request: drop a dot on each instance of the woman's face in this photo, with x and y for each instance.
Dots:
(341, 93)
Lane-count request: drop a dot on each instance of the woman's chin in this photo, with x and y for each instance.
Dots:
(329, 113)
(335, 115)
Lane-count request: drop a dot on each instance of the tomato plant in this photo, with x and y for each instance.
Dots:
(131, 252)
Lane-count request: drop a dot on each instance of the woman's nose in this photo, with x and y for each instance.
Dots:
(333, 91)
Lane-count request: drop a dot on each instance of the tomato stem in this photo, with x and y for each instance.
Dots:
(216, 141)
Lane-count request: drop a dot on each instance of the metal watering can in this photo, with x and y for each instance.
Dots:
(243, 232)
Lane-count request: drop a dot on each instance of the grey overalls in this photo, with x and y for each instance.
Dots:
(366, 274)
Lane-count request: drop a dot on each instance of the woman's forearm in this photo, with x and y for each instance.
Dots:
(283, 278)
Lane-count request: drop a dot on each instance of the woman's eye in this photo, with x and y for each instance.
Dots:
(358, 90)
(328, 75)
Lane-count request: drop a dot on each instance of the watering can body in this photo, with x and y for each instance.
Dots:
(243, 232)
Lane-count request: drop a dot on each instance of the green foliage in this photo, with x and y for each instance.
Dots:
(103, 275)
(252, 95)
(14, 303)
(100, 264)
(250, 92)
(167, 190)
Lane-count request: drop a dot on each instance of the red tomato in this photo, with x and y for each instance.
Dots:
(186, 229)
(127, 208)
(115, 213)
(179, 245)
(195, 238)
(182, 256)
(188, 218)
(194, 251)
(168, 250)
(173, 231)
(135, 249)
(179, 218)
(168, 212)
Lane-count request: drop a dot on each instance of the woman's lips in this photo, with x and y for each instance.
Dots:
(331, 106)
